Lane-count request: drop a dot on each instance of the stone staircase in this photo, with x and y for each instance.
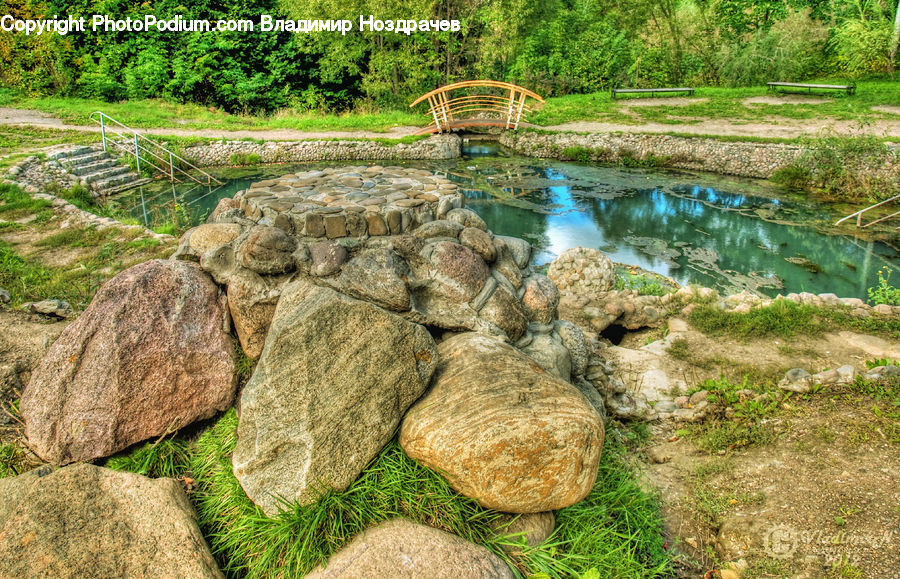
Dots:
(104, 174)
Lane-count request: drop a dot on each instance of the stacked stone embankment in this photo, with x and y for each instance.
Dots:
(744, 159)
(225, 153)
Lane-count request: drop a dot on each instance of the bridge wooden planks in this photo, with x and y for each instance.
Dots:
(449, 113)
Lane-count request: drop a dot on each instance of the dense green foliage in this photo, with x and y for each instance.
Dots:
(615, 531)
(556, 47)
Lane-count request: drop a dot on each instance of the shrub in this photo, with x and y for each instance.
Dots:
(244, 159)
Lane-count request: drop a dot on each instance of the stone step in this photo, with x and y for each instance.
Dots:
(104, 174)
(123, 187)
(115, 180)
(94, 167)
(69, 153)
(84, 159)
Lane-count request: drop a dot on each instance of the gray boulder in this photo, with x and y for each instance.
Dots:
(378, 276)
(87, 521)
(150, 354)
(267, 250)
(402, 548)
(333, 382)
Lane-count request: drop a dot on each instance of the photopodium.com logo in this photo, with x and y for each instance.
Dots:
(781, 542)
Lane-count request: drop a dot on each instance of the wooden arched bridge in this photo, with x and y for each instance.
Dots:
(478, 109)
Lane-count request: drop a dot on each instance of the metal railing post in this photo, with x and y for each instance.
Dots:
(103, 132)
(137, 153)
(171, 168)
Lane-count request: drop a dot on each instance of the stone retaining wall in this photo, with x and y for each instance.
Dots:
(744, 159)
(220, 153)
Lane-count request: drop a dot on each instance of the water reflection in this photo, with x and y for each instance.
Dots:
(728, 234)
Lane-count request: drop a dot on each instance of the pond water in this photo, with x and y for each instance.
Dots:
(726, 233)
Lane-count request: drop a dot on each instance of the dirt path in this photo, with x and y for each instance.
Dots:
(777, 127)
(820, 499)
(30, 118)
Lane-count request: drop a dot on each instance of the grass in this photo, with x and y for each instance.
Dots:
(12, 457)
(156, 113)
(167, 457)
(748, 427)
(722, 104)
(103, 253)
(16, 203)
(785, 319)
(615, 531)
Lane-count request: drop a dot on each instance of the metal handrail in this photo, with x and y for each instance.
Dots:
(859, 214)
(104, 121)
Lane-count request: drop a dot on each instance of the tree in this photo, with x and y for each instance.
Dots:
(895, 39)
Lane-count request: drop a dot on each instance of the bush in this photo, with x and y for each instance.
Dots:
(244, 159)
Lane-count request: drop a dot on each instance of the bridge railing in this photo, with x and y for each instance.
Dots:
(447, 113)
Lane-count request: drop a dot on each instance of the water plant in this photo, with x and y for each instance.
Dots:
(884, 292)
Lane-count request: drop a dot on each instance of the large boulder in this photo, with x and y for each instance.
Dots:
(251, 302)
(583, 270)
(460, 271)
(87, 521)
(333, 381)
(402, 548)
(379, 276)
(541, 299)
(267, 250)
(502, 430)
(150, 354)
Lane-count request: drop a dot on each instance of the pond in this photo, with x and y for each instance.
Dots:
(727, 233)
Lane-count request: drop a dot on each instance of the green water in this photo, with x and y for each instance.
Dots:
(731, 234)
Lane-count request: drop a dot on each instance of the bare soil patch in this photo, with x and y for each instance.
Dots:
(788, 99)
(779, 127)
(890, 109)
(661, 102)
(820, 500)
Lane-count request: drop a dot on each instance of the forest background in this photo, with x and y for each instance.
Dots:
(555, 47)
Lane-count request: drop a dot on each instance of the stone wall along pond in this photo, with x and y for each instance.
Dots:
(224, 152)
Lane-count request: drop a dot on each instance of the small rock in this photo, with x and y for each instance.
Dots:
(658, 454)
(327, 257)
(4, 296)
(480, 242)
(682, 402)
(534, 528)
(846, 374)
(51, 308)
(698, 397)
(796, 380)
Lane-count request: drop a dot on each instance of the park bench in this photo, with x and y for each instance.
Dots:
(849, 88)
(651, 91)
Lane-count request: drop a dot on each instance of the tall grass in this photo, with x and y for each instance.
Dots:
(615, 532)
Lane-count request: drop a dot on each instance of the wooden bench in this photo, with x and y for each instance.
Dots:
(849, 88)
(652, 91)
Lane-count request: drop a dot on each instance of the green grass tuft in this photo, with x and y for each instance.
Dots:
(784, 319)
(167, 457)
(16, 203)
(615, 530)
